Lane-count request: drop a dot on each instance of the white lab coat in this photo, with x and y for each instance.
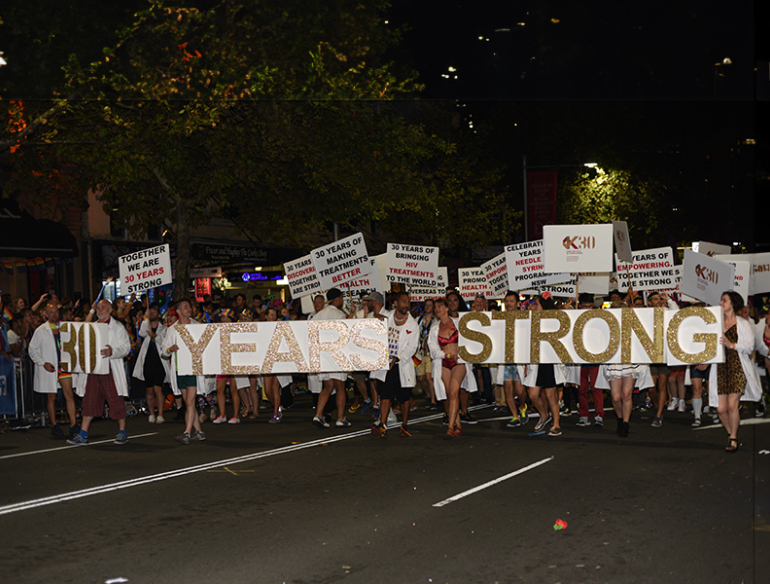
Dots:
(203, 383)
(436, 354)
(42, 350)
(144, 334)
(745, 347)
(407, 347)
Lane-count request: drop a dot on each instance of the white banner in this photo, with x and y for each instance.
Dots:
(142, 270)
(652, 269)
(711, 249)
(742, 277)
(302, 277)
(81, 347)
(365, 285)
(472, 283)
(577, 248)
(525, 267)
(565, 290)
(642, 335)
(305, 346)
(760, 273)
(342, 261)
(706, 278)
(622, 241)
(496, 272)
(415, 265)
(594, 282)
(418, 294)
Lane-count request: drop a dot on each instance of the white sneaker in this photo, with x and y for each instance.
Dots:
(234, 421)
(673, 404)
(220, 420)
(151, 419)
(392, 417)
(682, 405)
(160, 420)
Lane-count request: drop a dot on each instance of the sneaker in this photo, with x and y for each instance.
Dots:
(623, 432)
(56, 431)
(375, 429)
(706, 409)
(74, 430)
(198, 436)
(180, 413)
(320, 422)
(656, 422)
(760, 411)
(445, 419)
(234, 420)
(151, 419)
(78, 439)
(220, 420)
(523, 415)
(376, 412)
(274, 419)
(583, 422)
(715, 419)
(183, 438)
(367, 407)
(648, 404)
(566, 412)
(383, 432)
(672, 405)
(555, 432)
(433, 407)
(343, 423)
(599, 421)
(682, 406)
(121, 438)
(543, 423)
(404, 433)
(160, 420)
(514, 423)
(392, 417)
(696, 423)
(468, 419)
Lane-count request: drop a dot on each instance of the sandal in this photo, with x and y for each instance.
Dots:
(354, 408)
(732, 445)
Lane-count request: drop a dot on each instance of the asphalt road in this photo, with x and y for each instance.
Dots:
(292, 503)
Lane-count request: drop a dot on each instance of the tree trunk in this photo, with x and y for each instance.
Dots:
(182, 272)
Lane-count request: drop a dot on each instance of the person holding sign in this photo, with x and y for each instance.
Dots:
(728, 381)
(515, 394)
(45, 352)
(332, 381)
(149, 367)
(227, 315)
(111, 387)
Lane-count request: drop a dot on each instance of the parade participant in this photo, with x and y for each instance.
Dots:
(515, 394)
(186, 385)
(332, 381)
(111, 387)
(545, 377)
(426, 321)
(588, 375)
(45, 352)
(735, 377)
(150, 367)
(396, 381)
(697, 374)
(457, 305)
(448, 373)
(227, 315)
(271, 384)
(659, 371)
(481, 370)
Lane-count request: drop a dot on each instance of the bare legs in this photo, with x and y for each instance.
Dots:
(189, 395)
(330, 385)
(729, 415)
(452, 380)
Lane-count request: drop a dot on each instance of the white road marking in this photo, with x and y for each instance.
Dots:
(491, 483)
(25, 505)
(69, 446)
(747, 422)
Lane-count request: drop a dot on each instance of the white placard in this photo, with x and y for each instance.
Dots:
(366, 284)
(622, 241)
(342, 261)
(382, 268)
(142, 270)
(304, 346)
(416, 265)
(564, 290)
(742, 277)
(81, 347)
(496, 272)
(577, 248)
(652, 269)
(760, 273)
(419, 294)
(706, 278)
(594, 282)
(681, 327)
(711, 249)
(472, 283)
(525, 267)
(302, 277)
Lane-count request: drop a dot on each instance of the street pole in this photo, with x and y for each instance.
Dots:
(526, 211)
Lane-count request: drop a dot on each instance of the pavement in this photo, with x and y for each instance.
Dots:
(291, 503)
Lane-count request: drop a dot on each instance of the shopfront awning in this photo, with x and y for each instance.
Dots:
(23, 236)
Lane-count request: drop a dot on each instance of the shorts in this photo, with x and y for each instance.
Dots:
(545, 376)
(63, 375)
(185, 381)
(391, 389)
(336, 376)
(101, 388)
(660, 369)
(425, 367)
(698, 374)
(359, 376)
(511, 373)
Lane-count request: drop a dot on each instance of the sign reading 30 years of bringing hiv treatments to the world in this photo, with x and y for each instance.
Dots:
(414, 265)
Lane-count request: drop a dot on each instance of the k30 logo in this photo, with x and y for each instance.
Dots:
(579, 242)
(707, 274)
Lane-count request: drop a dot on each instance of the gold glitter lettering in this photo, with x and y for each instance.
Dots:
(631, 324)
(283, 331)
(92, 344)
(578, 340)
(334, 348)
(196, 349)
(477, 336)
(510, 317)
(537, 336)
(227, 348)
(69, 347)
(708, 339)
(380, 347)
